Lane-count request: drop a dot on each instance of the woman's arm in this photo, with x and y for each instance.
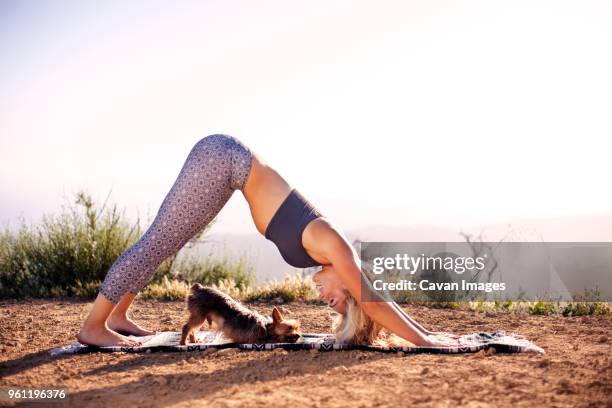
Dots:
(346, 263)
(411, 320)
(421, 328)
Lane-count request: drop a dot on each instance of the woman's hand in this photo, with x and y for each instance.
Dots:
(445, 334)
(434, 341)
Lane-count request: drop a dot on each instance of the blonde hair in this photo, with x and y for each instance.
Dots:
(356, 327)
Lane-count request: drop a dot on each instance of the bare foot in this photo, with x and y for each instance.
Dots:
(126, 326)
(102, 336)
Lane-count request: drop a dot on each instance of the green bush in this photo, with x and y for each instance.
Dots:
(166, 289)
(70, 254)
(211, 271)
(288, 290)
(291, 288)
(66, 255)
(585, 309)
(542, 308)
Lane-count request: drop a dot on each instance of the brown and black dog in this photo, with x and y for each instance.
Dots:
(234, 320)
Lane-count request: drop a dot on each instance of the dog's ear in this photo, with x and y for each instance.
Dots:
(277, 317)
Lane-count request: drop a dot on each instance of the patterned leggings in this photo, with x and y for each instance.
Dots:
(216, 166)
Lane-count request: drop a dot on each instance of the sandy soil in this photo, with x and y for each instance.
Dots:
(575, 371)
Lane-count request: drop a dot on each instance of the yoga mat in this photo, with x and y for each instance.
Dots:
(169, 341)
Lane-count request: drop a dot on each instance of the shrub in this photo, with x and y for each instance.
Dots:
(211, 271)
(585, 309)
(166, 289)
(289, 289)
(66, 255)
(542, 308)
(70, 254)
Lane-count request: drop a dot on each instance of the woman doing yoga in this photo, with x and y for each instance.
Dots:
(217, 166)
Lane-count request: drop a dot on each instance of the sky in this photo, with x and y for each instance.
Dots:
(380, 113)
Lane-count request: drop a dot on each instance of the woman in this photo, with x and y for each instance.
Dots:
(217, 166)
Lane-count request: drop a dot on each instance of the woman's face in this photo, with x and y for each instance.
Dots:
(331, 289)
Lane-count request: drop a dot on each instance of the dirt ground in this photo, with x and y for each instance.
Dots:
(575, 371)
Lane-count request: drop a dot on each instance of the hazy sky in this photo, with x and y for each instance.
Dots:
(429, 112)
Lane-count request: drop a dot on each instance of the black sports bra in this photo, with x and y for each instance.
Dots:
(286, 227)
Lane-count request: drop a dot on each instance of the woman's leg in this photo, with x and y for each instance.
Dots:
(216, 166)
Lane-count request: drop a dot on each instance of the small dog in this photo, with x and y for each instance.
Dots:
(235, 321)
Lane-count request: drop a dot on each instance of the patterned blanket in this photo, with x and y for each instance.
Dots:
(169, 341)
